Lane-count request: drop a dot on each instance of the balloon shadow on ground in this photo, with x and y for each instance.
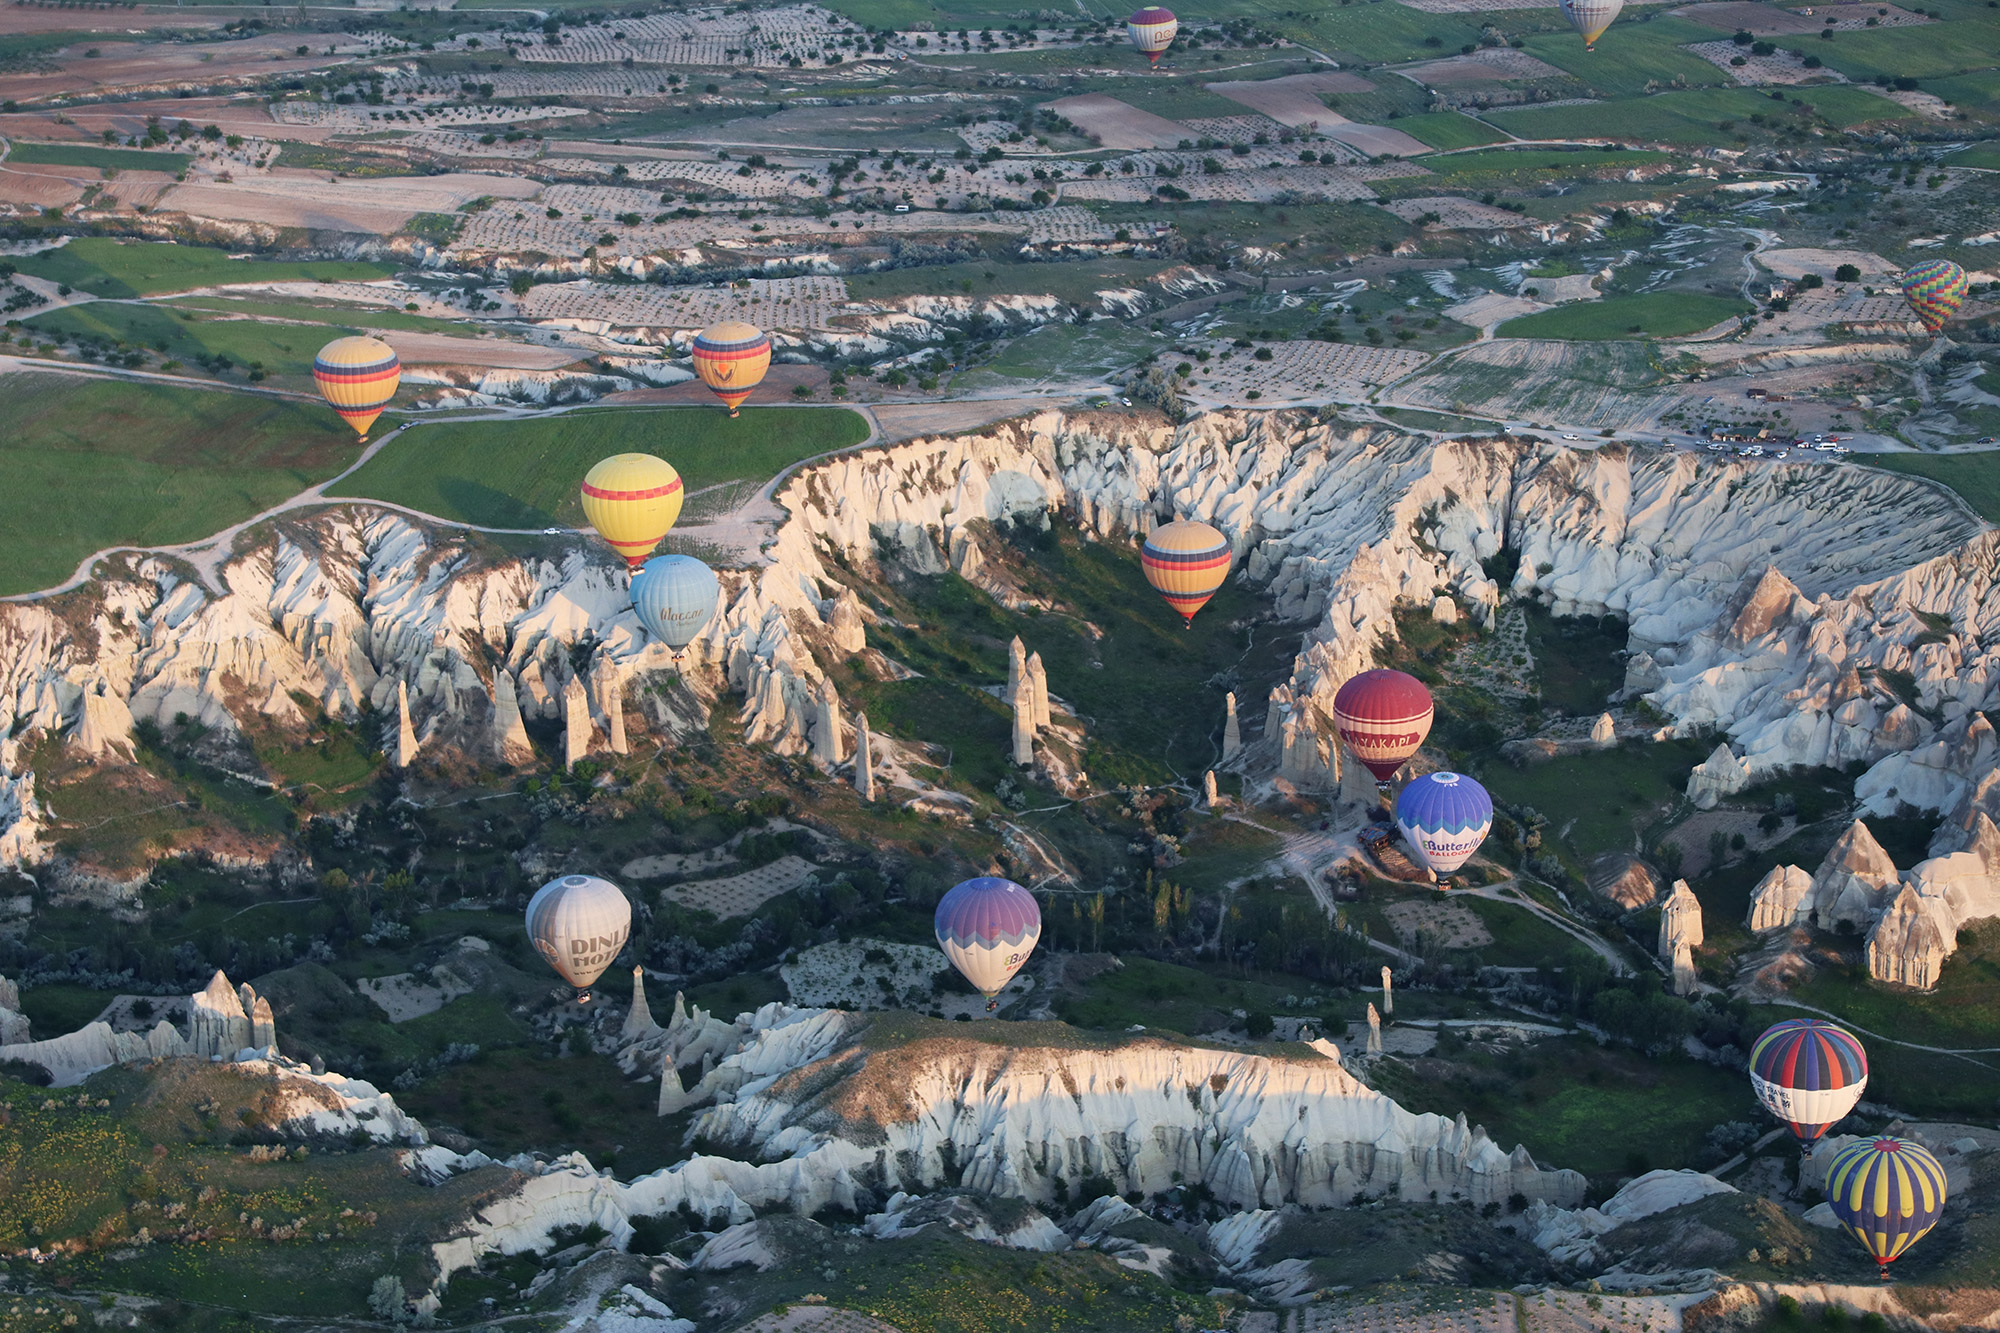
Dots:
(476, 502)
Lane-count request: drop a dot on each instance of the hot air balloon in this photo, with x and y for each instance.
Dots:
(357, 377)
(579, 923)
(1590, 17)
(987, 927)
(731, 358)
(1444, 817)
(1186, 562)
(675, 597)
(1935, 289)
(1383, 716)
(1809, 1073)
(1152, 30)
(1887, 1193)
(632, 499)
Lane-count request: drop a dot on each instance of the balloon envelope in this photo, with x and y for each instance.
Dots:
(1935, 289)
(357, 377)
(1444, 817)
(579, 923)
(1887, 1193)
(731, 358)
(1383, 716)
(1809, 1072)
(632, 499)
(987, 927)
(1186, 562)
(1152, 31)
(675, 598)
(1590, 17)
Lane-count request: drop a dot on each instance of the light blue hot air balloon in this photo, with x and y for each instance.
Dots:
(675, 597)
(988, 927)
(1444, 817)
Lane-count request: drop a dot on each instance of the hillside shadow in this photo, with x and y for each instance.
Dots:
(476, 502)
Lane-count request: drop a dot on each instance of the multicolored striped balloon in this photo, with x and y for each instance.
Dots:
(1809, 1073)
(1444, 817)
(731, 358)
(1590, 17)
(1186, 562)
(1152, 30)
(1935, 289)
(1887, 1193)
(1383, 716)
(357, 377)
(632, 499)
(987, 927)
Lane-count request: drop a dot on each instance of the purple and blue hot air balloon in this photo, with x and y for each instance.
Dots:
(987, 927)
(1444, 817)
(1809, 1073)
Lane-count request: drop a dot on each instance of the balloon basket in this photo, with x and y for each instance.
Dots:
(583, 997)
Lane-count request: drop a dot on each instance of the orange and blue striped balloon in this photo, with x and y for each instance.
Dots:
(357, 377)
(1186, 562)
(731, 358)
(1935, 289)
(1887, 1193)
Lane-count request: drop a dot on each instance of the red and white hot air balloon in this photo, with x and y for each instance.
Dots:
(1152, 30)
(1383, 716)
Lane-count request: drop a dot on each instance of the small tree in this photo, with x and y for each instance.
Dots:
(387, 1299)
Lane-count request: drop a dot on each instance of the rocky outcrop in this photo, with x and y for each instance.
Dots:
(1721, 774)
(1232, 734)
(1570, 1235)
(1853, 882)
(1781, 899)
(224, 1023)
(1625, 880)
(405, 752)
(864, 759)
(1680, 921)
(1910, 941)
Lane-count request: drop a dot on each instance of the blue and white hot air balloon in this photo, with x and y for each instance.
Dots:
(987, 927)
(675, 597)
(1444, 817)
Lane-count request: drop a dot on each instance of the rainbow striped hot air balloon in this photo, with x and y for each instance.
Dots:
(1590, 17)
(1444, 817)
(675, 596)
(632, 499)
(1935, 289)
(1887, 1193)
(1152, 30)
(987, 927)
(1809, 1073)
(1185, 562)
(357, 377)
(1383, 716)
(731, 358)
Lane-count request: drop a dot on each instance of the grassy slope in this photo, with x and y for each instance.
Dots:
(1632, 55)
(84, 155)
(1917, 52)
(1600, 796)
(1448, 129)
(1654, 314)
(95, 463)
(1974, 476)
(115, 268)
(524, 474)
(285, 350)
(1693, 117)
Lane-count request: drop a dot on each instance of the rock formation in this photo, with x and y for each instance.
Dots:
(1686, 982)
(1038, 680)
(1374, 1030)
(224, 1023)
(1604, 731)
(104, 725)
(1781, 899)
(1388, 991)
(509, 735)
(1909, 942)
(1209, 797)
(639, 1022)
(405, 752)
(610, 694)
(1680, 921)
(826, 737)
(864, 759)
(1624, 879)
(1232, 734)
(1853, 882)
(577, 731)
(1017, 670)
(1721, 774)
(1024, 724)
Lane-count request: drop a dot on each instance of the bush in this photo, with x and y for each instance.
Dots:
(1259, 1026)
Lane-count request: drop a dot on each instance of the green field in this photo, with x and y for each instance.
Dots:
(1976, 93)
(1449, 129)
(1926, 52)
(1605, 798)
(1694, 117)
(524, 474)
(1985, 155)
(84, 155)
(340, 315)
(96, 463)
(1650, 315)
(1974, 476)
(285, 350)
(1633, 59)
(105, 267)
(1376, 32)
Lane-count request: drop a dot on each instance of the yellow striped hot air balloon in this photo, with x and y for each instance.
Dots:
(1885, 1192)
(1186, 562)
(357, 377)
(632, 499)
(731, 358)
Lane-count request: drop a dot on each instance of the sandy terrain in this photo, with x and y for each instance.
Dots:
(1488, 65)
(131, 65)
(1303, 371)
(18, 19)
(1456, 214)
(1781, 68)
(817, 1319)
(1799, 261)
(739, 895)
(1374, 140)
(40, 187)
(906, 421)
(297, 198)
(1771, 20)
(1235, 129)
(1335, 183)
(1492, 308)
(776, 303)
(439, 349)
(1294, 99)
(402, 997)
(1117, 124)
(88, 123)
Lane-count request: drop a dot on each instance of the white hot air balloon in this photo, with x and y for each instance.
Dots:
(579, 923)
(1590, 17)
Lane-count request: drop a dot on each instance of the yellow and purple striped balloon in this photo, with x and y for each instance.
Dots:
(1186, 562)
(357, 377)
(1935, 289)
(1887, 1192)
